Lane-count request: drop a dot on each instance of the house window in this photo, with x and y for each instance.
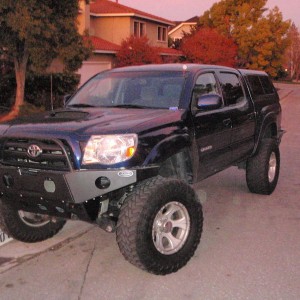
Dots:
(139, 29)
(162, 33)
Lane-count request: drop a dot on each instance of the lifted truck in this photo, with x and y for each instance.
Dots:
(124, 150)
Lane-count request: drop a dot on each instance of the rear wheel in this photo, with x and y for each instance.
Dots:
(26, 226)
(262, 170)
(160, 225)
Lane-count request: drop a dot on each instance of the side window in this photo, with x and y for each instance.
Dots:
(260, 85)
(267, 85)
(231, 87)
(205, 84)
(255, 85)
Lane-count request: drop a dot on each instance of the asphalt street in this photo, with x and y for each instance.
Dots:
(250, 247)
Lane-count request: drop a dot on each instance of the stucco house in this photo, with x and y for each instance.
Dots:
(108, 23)
(177, 32)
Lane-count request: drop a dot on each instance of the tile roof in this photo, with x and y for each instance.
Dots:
(108, 7)
(103, 45)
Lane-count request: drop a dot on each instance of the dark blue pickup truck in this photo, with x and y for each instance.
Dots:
(125, 149)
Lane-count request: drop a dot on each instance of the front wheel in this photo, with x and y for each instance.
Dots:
(160, 225)
(27, 226)
(262, 170)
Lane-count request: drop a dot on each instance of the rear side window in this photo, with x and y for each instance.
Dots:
(231, 87)
(260, 85)
(255, 85)
(267, 85)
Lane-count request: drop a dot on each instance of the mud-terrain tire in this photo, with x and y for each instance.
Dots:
(160, 225)
(28, 227)
(262, 170)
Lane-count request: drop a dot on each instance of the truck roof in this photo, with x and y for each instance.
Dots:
(252, 72)
(170, 67)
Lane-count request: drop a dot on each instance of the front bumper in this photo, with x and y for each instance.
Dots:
(62, 194)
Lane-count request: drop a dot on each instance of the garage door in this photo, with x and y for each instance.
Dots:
(90, 68)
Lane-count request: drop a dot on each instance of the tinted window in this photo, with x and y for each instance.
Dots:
(255, 85)
(260, 85)
(231, 87)
(267, 85)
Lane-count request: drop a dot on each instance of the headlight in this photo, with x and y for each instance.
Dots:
(109, 149)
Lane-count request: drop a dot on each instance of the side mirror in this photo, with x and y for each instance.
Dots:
(209, 102)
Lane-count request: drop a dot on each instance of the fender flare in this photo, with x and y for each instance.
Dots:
(268, 125)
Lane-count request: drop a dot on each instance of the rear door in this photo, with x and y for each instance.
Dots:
(241, 113)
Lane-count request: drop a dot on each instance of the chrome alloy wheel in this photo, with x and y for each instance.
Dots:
(272, 167)
(33, 219)
(171, 228)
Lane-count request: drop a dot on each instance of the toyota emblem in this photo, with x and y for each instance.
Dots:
(34, 151)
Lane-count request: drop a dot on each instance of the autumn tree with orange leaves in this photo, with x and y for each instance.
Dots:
(207, 46)
(259, 33)
(137, 51)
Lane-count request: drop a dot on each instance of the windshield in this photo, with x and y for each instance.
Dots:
(131, 89)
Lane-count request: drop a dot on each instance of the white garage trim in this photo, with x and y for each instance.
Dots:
(91, 68)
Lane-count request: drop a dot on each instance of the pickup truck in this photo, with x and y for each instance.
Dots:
(125, 150)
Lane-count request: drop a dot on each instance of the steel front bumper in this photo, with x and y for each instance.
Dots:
(62, 193)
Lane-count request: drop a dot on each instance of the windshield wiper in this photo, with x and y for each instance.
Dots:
(131, 106)
(81, 105)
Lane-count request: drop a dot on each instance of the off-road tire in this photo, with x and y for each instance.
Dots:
(14, 226)
(258, 176)
(138, 217)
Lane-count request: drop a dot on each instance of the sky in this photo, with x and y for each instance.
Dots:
(181, 10)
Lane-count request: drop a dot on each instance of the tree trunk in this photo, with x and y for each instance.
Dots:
(20, 71)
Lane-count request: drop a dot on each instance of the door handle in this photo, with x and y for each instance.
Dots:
(227, 122)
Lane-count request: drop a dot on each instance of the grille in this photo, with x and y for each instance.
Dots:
(53, 157)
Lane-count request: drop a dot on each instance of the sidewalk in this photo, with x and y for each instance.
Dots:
(284, 89)
(15, 252)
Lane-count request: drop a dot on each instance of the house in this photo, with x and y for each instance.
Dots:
(177, 32)
(108, 23)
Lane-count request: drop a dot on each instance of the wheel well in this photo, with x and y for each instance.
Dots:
(178, 166)
(271, 131)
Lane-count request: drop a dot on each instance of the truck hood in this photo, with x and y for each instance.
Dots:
(91, 121)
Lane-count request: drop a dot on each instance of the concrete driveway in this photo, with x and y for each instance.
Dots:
(250, 248)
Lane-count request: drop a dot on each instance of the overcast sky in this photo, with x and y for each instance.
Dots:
(179, 10)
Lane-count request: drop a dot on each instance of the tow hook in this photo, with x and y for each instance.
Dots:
(106, 224)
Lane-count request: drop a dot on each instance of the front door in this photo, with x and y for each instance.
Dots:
(212, 129)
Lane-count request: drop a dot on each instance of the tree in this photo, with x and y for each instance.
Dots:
(34, 32)
(261, 38)
(137, 51)
(292, 55)
(209, 47)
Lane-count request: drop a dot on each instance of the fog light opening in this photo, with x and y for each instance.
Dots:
(102, 182)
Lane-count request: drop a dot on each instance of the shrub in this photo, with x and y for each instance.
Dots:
(38, 89)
